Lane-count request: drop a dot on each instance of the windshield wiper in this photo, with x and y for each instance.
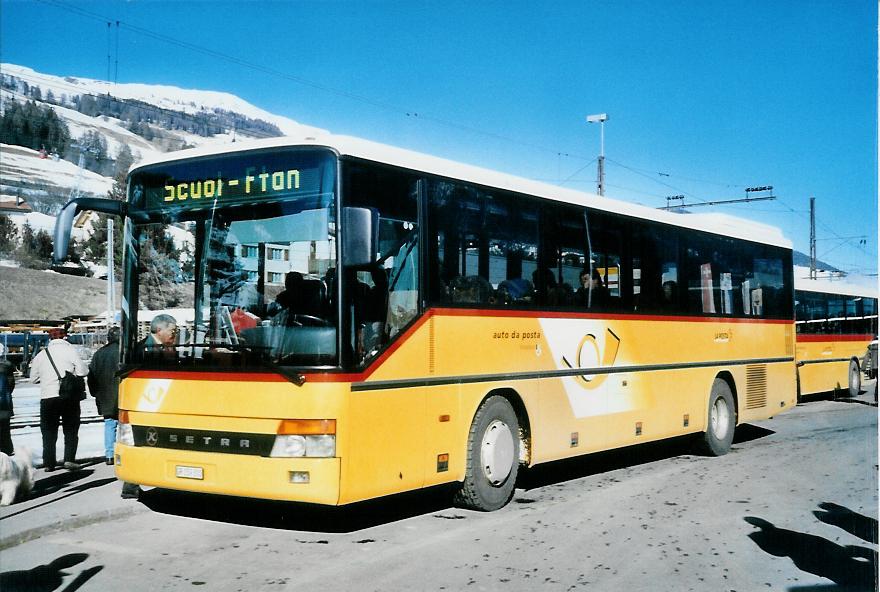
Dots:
(293, 376)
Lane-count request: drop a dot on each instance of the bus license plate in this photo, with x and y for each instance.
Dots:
(190, 472)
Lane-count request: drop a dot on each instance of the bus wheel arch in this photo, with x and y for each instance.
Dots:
(727, 377)
(522, 415)
(855, 378)
(494, 452)
(721, 418)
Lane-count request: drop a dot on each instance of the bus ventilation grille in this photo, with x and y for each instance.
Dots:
(789, 340)
(756, 386)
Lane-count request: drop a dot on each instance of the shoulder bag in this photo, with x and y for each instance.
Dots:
(70, 387)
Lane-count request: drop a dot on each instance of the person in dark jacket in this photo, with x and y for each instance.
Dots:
(7, 384)
(104, 386)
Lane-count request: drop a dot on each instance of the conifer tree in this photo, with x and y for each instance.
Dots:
(8, 235)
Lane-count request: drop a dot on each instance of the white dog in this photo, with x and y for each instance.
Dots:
(16, 475)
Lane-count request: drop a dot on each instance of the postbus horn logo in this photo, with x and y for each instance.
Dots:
(589, 356)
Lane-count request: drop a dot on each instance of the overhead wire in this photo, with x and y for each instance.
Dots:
(392, 107)
(306, 82)
(638, 172)
(677, 176)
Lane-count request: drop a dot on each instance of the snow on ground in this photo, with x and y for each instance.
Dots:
(22, 165)
(167, 97)
(45, 222)
(110, 128)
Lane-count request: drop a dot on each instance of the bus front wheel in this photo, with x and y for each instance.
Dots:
(492, 457)
(855, 379)
(721, 421)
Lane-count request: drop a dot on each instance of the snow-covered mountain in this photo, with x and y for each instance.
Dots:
(171, 98)
(148, 119)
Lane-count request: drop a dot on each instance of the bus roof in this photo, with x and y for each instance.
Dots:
(847, 286)
(382, 153)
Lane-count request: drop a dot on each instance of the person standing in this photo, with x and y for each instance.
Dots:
(52, 407)
(7, 384)
(104, 386)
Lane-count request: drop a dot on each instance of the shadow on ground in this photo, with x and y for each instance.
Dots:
(48, 577)
(358, 516)
(842, 396)
(59, 483)
(852, 568)
(61, 478)
(299, 516)
(621, 458)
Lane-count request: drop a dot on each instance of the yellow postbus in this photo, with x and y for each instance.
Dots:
(836, 320)
(333, 320)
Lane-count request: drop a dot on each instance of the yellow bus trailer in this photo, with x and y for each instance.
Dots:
(835, 320)
(332, 320)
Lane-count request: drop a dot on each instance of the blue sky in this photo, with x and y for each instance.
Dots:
(705, 98)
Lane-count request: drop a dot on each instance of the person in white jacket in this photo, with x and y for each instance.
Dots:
(52, 407)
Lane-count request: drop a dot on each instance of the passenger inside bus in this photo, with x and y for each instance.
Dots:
(599, 289)
(583, 293)
(303, 301)
(471, 289)
(161, 340)
(593, 292)
(514, 290)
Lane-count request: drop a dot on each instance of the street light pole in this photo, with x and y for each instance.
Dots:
(600, 118)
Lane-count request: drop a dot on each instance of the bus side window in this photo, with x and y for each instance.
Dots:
(483, 246)
(563, 252)
(654, 265)
(606, 247)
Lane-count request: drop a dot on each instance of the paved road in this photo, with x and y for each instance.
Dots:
(793, 507)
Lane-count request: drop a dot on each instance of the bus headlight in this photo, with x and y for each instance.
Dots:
(313, 438)
(316, 446)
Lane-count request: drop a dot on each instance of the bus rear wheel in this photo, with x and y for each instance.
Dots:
(721, 421)
(492, 457)
(855, 379)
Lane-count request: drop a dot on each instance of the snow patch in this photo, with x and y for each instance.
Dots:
(167, 97)
(24, 167)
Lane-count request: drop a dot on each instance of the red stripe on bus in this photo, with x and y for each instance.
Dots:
(820, 337)
(469, 312)
(197, 375)
(333, 377)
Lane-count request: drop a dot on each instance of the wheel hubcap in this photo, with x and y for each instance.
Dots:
(720, 418)
(496, 452)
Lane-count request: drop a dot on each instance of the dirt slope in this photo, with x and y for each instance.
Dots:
(31, 294)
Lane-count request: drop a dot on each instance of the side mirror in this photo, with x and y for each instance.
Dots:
(63, 226)
(360, 238)
(64, 221)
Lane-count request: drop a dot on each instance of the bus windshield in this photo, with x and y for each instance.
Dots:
(245, 283)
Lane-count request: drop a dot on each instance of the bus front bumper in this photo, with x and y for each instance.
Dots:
(312, 480)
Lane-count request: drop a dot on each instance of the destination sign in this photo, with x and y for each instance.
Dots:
(232, 179)
(263, 183)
